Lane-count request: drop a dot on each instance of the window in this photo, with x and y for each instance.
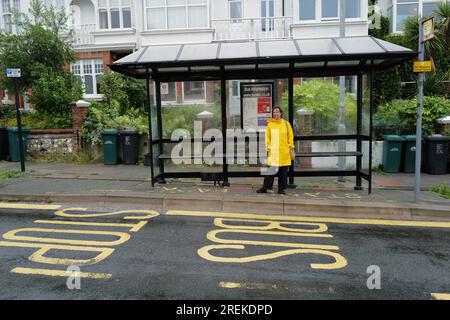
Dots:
(176, 14)
(267, 11)
(405, 10)
(429, 7)
(235, 9)
(307, 9)
(168, 92)
(114, 14)
(194, 91)
(7, 15)
(352, 8)
(330, 9)
(89, 71)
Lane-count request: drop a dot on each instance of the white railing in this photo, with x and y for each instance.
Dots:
(252, 28)
(83, 34)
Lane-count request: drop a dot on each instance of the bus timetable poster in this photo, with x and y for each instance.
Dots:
(257, 102)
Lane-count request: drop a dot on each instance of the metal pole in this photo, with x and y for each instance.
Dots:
(341, 123)
(419, 117)
(150, 140)
(19, 126)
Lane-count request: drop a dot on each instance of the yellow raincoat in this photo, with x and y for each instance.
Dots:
(279, 140)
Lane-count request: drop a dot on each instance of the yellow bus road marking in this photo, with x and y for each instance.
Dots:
(378, 222)
(39, 257)
(251, 286)
(134, 227)
(148, 214)
(441, 296)
(61, 273)
(5, 205)
(12, 235)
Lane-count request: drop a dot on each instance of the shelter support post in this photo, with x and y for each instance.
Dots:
(223, 104)
(150, 140)
(370, 129)
(291, 121)
(359, 131)
(160, 130)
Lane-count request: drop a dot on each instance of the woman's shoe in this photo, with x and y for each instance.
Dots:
(261, 190)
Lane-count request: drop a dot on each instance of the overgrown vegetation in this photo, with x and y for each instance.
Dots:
(122, 108)
(442, 189)
(42, 55)
(322, 97)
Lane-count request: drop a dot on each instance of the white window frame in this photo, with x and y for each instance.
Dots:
(166, 9)
(318, 13)
(235, 20)
(395, 11)
(199, 101)
(108, 8)
(12, 4)
(94, 74)
(169, 102)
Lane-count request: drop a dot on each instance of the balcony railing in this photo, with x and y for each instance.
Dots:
(252, 28)
(83, 34)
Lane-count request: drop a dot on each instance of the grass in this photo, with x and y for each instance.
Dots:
(11, 174)
(442, 189)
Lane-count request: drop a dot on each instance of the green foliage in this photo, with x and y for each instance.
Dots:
(54, 92)
(383, 30)
(322, 97)
(442, 189)
(38, 47)
(399, 116)
(126, 91)
(35, 120)
(183, 117)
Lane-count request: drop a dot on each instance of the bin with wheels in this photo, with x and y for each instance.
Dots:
(109, 139)
(392, 151)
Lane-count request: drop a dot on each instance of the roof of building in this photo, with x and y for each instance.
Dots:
(262, 58)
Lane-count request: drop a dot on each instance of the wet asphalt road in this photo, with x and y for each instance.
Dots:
(161, 261)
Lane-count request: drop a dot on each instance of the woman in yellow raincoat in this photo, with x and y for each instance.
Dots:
(279, 143)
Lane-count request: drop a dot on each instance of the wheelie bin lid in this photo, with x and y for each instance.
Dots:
(410, 137)
(391, 137)
(110, 131)
(128, 132)
(16, 129)
(437, 137)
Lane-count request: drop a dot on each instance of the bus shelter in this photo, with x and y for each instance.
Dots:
(261, 61)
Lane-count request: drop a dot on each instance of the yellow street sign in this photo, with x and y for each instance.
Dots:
(422, 66)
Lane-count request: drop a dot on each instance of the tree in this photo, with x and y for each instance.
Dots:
(41, 54)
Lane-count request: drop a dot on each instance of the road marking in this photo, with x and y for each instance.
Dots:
(4, 205)
(39, 257)
(134, 227)
(60, 273)
(270, 225)
(123, 237)
(251, 286)
(441, 296)
(401, 223)
(340, 261)
(148, 214)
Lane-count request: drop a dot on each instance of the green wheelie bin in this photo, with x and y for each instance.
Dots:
(13, 140)
(109, 138)
(4, 145)
(392, 152)
(409, 154)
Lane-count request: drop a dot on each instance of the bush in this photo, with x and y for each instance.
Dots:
(34, 119)
(403, 114)
(322, 97)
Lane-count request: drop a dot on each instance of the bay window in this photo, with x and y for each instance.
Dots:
(114, 14)
(89, 71)
(405, 9)
(328, 9)
(7, 15)
(176, 14)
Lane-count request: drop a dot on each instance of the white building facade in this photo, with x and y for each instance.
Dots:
(399, 10)
(106, 30)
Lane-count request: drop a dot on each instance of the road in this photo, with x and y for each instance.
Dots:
(200, 255)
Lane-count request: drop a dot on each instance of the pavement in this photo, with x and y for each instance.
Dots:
(130, 186)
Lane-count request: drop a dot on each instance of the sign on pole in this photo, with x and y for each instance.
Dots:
(428, 29)
(422, 66)
(13, 73)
